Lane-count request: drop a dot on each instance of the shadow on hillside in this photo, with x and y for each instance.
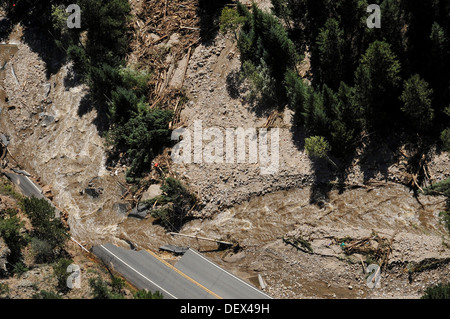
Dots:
(209, 12)
(87, 105)
(41, 41)
(5, 28)
(374, 160)
(234, 82)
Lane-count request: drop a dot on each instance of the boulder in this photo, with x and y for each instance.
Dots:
(140, 211)
(4, 253)
(121, 208)
(153, 191)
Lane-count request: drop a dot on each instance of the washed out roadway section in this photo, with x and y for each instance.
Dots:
(216, 279)
(146, 271)
(193, 277)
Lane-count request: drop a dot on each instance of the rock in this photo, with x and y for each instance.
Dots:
(154, 37)
(121, 208)
(47, 88)
(47, 191)
(140, 211)
(153, 191)
(173, 40)
(93, 192)
(4, 139)
(4, 252)
(25, 283)
(46, 119)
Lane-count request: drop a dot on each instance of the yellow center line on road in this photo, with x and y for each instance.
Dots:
(183, 274)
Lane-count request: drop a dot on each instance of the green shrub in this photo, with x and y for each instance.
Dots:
(20, 268)
(101, 290)
(42, 250)
(318, 147)
(117, 284)
(439, 291)
(445, 215)
(231, 20)
(145, 294)
(445, 139)
(49, 234)
(136, 80)
(174, 204)
(440, 188)
(4, 289)
(7, 189)
(44, 294)
(60, 271)
(262, 84)
(10, 230)
(142, 137)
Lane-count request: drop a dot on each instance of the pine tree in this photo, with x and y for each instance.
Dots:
(263, 38)
(377, 82)
(106, 25)
(438, 72)
(296, 91)
(445, 139)
(330, 45)
(142, 137)
(416, 98)
(315, 115)
(48, 231)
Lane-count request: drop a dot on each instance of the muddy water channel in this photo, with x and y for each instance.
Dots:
(265, 219)
(260, 224)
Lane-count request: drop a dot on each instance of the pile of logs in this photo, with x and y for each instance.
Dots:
(156, 22)
(377, 247)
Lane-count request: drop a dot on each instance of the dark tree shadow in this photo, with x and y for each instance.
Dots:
(321, 187)
(72, 79)
(234, 83)
(298, 132)
(5, 28)
(87, 104)
(35, 19)
(323, 173)
(262, 106)
(379, 155)
(209, 12)
(40, 40)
